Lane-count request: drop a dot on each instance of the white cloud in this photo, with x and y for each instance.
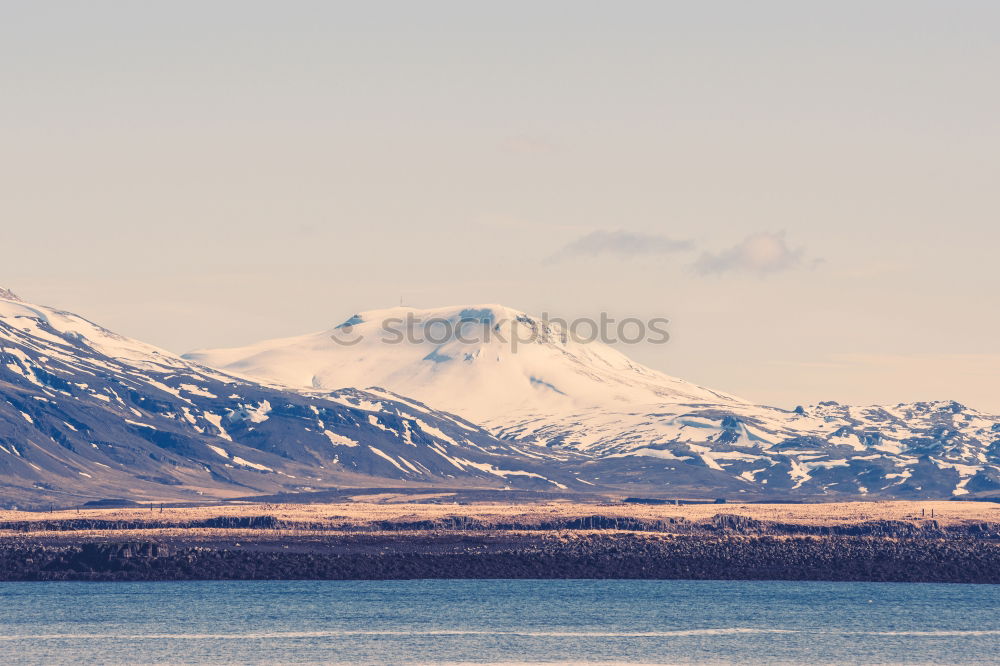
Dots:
(760, 254)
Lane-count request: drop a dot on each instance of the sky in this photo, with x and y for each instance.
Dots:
(808, 191)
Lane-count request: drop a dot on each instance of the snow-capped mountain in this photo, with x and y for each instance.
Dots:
(488, 363)
(639, 426)
(926, 449)
(88, 414)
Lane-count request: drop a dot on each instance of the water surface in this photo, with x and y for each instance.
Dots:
(439, 621)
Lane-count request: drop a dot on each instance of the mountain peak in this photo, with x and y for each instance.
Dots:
(453, 326)
(483, 362)
(8, 295)
(485, 313)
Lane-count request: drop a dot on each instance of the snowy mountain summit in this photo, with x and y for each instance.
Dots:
(484, 362)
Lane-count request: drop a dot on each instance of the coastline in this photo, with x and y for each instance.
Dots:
(515, 556)
(887, 542)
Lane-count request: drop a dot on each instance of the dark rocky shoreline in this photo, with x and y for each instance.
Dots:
(517, 555)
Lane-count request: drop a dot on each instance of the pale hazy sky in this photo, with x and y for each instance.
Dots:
(809, 191)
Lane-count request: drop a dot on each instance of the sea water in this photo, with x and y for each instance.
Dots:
(511, 621)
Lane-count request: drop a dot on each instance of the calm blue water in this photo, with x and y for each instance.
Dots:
(498, 621)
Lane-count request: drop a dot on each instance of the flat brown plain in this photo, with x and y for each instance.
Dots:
(363, 514)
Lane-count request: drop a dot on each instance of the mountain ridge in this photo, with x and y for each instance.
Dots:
(86, 413)
(935, 448)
